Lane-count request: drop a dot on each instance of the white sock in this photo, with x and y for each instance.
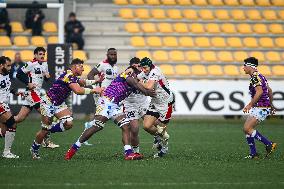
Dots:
(127, 147)
(136, 149)
(9, 139)
(78, 143)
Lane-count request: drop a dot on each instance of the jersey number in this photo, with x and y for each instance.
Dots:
(37, 71)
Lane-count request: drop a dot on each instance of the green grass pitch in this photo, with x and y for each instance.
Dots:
(203, 154)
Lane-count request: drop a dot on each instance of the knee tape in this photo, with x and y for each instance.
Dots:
(10, 122)
(66, 118)
(123, 122)
(98, 123)
(45, 126)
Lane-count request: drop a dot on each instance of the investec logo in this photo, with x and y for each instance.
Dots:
(59, 61)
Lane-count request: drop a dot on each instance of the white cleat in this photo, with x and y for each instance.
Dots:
(49, 145)
(9, 155)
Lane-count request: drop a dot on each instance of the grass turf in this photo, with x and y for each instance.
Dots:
(203, 154)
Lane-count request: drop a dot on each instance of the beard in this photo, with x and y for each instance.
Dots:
(5, 71)
(112, 61)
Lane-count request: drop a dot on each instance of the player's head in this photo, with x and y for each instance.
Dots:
(134, 64)
(72, 16)
(5, 65)
(77, 66)
(112, 56)
(146, 65)
(250, 64)
(39, 54)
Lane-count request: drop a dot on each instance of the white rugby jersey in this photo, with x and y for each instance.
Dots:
(110, 72)
(5, 85)
(163, 93)
(36, 72)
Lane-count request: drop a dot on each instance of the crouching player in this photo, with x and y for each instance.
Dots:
(258, 108)
(108, 108)
(53, 103)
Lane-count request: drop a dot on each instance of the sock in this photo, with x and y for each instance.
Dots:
(9, 139)
(255, 134)
(127, 149)
(77, 145)
(250, 141)
(58, 127)
(135, 149)
(35, 146)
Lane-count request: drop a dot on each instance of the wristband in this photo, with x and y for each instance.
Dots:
(87, 90)
(90, 82)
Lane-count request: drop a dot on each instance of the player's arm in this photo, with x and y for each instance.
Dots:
(88, 82)
(270, 94)
(23, 77)
(77, 89)
(148, 84)
(258, 93)
(92, 73)
(134, 83)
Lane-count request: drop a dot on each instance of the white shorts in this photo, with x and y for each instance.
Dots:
(135, 111)
(4, 107)
(48, 109)
(260, 113)
(31, 98)
(164, 111)
(108, 109)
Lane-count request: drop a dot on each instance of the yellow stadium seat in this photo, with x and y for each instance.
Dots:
(49, 27)
(176, 56)
(234, 42)
(190, 14)
(137, 41)
(269, 15)
(218, 42)
(5, 41)
(160, 56)
(265, 70)
(281, 14)
(186, 42)
(202, 42)
(142, 13)
(215, 70)
(80, 54)
(263, 2)
(244, 28)
(239, 56)
(209, 56)
(231, 2)
(250, 42)
(199, 70)
(165, 27)
(168, 2)
(279, 41)
(21, 41)
(142, 54)
(276, 28)
(152, 2)
(266, 42)
(126, 13)
(9, 53)
(121, 2)
(225, 56)
(260, 28)
(17, 27)
(277, 2)
(272, 56)
(231, 70)
(136, 2)
(38, 41)
(154, 41)
(216, 2)
(212, 28)
(170, 41)
(87, 69)
(206, 14)
(182, 69)
(52, 39)
(228, 28)
(174, 14)
(238, 14)
(199, 2)
(180, 28)
(196, 28)
(278, 70)
(132, 27)
(158, 13)
(247, 2)
(167, 69)
(222, 14)
(148, 27)
(184, 2)
(258, 54)
(193, 56)
(27, 55)
(253, 14)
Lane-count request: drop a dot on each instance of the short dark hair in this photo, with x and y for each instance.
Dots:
(251, 61)
(111, 49)
(7, 59)
(72, 14)
(2, 60)
(38, 49)
(77, 61)
(134, 60)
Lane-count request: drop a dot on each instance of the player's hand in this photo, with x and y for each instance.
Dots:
(98, 90)
(31, 86)
(247, 108)
(101, 78)
(47, 75)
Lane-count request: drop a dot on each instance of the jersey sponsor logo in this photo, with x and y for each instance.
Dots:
(3, 84)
